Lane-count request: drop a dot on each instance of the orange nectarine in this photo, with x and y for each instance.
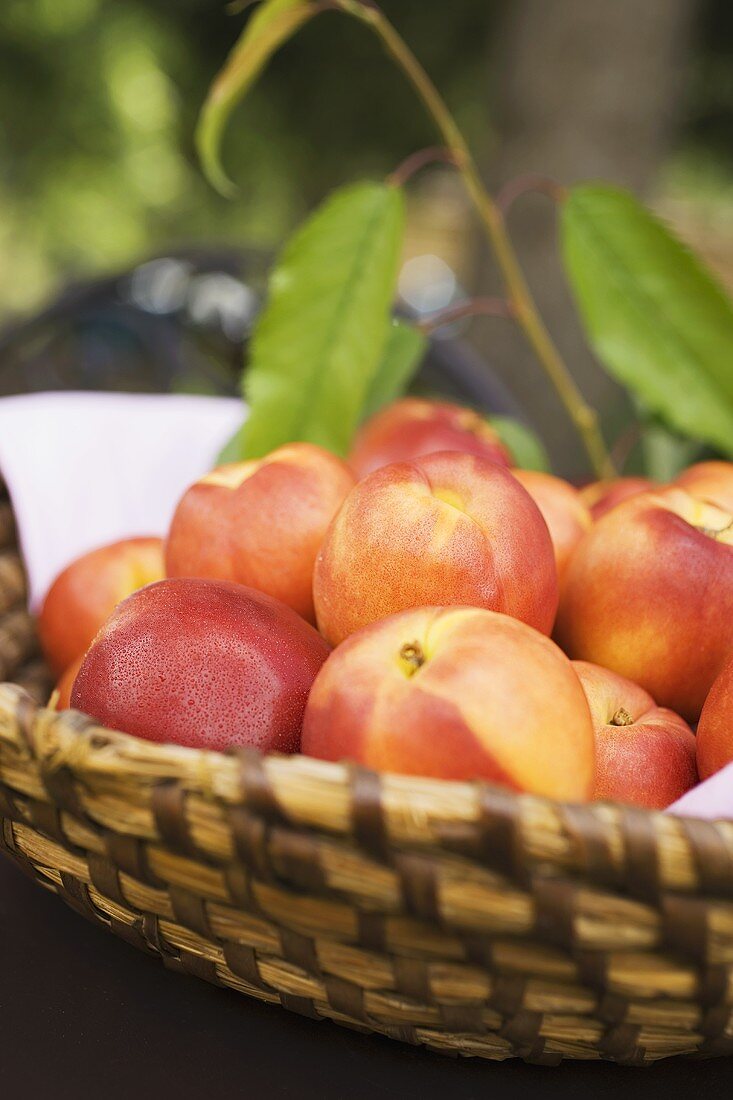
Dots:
(65, 683)
(260, 523)
(87, 592)
(715, 730)
(563, 510)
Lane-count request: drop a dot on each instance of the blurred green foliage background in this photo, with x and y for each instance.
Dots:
(98, 100)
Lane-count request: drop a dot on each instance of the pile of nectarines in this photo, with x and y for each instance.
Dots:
(399, 610)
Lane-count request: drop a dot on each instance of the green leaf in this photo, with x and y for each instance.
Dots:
(273, 23)
(232, 450)
(525, 447)
(656, 319)
(665, 453)
(403, 350)
(319, 341)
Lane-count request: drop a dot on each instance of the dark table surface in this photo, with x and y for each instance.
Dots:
(82, 1014)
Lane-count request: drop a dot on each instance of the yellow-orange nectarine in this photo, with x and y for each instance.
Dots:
(455, 693)
(710, 481)
(448, 528)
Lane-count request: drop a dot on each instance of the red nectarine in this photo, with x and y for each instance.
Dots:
(649, 594)
(204, 663)
(601, 496)
(415, 426)
(645, 754)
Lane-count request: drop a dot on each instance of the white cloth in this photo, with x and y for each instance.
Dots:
(712, 799)
(85, 469)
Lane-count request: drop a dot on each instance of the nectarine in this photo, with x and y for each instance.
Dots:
(601, 496)
(645, 754)
(415, 426)
(563, 510)
(87, 592)
(710, 481)
(715, 730)
(455, 693)
(65, 683)
(260, 523)
(649, 594)
(204, 663)
(447, 528)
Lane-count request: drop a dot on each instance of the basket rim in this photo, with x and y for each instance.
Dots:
(189, 763)
(127, 785)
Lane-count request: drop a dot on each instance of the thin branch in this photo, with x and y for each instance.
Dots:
(625, 444)
(583, 416)
(434, 154)
(472, 307)
(525, 185)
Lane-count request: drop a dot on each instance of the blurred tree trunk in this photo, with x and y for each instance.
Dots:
(583, 89)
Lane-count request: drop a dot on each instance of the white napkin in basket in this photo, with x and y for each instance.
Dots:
(712, 799)
(85, 469)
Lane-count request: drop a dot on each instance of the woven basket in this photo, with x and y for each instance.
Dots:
(453, 915)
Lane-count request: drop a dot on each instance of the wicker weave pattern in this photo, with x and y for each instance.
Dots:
(453, 915)
(19, 653)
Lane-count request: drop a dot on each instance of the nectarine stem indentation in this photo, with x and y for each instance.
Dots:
(622, 718)
(413, 656)
(716, 533)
